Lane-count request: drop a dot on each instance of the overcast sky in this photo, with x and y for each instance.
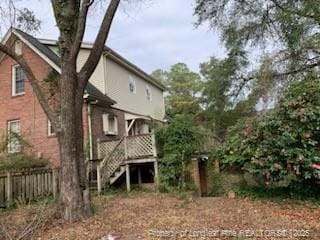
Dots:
(152, 35)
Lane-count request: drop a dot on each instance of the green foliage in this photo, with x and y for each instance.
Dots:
(23, 159)
(296, 191)
(178, 142)
(224, 182)
(183, 89)
(13, 14)
(19, 161)
(290, 27)
(221, 110)
(283, 147)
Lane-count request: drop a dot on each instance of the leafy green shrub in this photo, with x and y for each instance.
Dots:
(20, 160)
(297, 191)
(224, 182)
(177, 142)
(23, 159)
(284, 147)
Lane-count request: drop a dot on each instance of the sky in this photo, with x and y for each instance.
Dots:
(152, 34)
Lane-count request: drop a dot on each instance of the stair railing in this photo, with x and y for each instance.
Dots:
(111, 163)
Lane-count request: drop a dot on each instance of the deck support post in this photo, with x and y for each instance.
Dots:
(99, 185)
(128, 178)
(139, 177)
(156, 175)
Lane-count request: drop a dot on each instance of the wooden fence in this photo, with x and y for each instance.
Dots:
(28, 184)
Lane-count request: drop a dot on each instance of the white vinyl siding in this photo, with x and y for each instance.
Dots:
(117, 88)
(132, 84)
(148, 93)
(97, 78)
(111, 78)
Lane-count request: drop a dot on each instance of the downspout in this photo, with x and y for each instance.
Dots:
(90, 131)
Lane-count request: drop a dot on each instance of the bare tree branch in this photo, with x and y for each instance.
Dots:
(82, 19)
(5, 233)
(303, 68)
(34, 83)
(98, 46)
(296, 12)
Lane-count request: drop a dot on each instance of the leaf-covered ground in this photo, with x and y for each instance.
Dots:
(150, 215)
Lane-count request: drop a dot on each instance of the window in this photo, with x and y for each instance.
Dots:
(110, 124)
(148, 93)
(51, 131)
(14, 144)
(18, 47)
(132, 85)
(18, 79)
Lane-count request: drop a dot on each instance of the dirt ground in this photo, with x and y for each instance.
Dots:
(162, 216)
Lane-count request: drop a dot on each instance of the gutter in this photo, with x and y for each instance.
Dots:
(90, 131)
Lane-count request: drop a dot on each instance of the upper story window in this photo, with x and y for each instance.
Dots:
(132, 85)
(18, 47)
(110, 124)
(148, 93)
(14, 144)
(18, 80)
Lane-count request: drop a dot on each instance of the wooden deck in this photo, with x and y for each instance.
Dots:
(118, 155)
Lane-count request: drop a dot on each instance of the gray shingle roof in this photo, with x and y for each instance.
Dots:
(91, 90)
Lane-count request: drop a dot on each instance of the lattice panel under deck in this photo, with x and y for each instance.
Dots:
(140, 146)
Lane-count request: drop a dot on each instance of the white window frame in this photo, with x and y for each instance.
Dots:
(50, 132)
(14, 67)
(148, 89)
(13, 149)
(106, 124)
(132, 80)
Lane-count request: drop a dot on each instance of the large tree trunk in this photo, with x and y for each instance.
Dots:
(73, 203)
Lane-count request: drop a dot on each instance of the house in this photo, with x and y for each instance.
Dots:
(121, 103)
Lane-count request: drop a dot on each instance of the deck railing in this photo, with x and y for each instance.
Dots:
(115, 153)
(134, 147)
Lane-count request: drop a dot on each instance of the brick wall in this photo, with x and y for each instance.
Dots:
(97, 125)
(33, 121)
(26, 108)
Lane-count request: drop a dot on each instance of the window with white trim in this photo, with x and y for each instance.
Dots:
(110, 124)
(148, 93)
(14, 144)
(132, 85)
(18, 80)
(51, 131)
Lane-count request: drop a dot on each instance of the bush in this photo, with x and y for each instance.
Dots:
(283, 148)
(23, 159)
(177, 143)
(19, 161)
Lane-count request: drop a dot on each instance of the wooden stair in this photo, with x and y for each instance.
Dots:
(116, 154)
(117, 174)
